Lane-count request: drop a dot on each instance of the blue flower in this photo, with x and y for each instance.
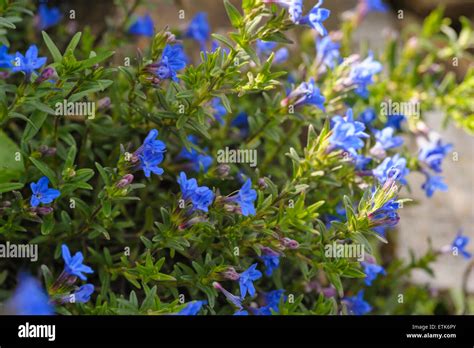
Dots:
(241, 121)
(29, 298)
(199, 29)
(395, 121)
(459, 245)
(29, 62)
(386, 140)
(388, 165)
(172, 60)
(272, 303)
(272, 299)
(142, 26)
(316, 17)
(361, 161)
(265, 49)
(151, 154)
(246, 280)
(294, 7)
(245, 198)
(361, 74)
(386, 215)
(192, 308)
(357, 305)
(367, 116)
(241, 312)
(433, 183)
(73, 265)
(374, 5)
(48, 17)
(6, 60)
(271, 262)
(219, 110)
(347, 133)
(149, 163)
(83, 294)
(306, 93)
(235, 300)
(202, 198)
(188, 187)
(433, 154)
(152, 145)
(197, 159)
(41, 192)
(328, 52)
(371, 271)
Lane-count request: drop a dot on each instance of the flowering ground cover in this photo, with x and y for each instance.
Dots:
(256, 170)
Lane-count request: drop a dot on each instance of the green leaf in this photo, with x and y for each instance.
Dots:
(96, 59)
(103, 174)
(223, 39)
(10, 169)
(53, 49)
(37, 120)
(43, 168)
(234, 14)
(74, 42)
(7, 187)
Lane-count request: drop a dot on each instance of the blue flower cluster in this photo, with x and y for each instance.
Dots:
(347, 133)
(151, 154)
(200, 196)
(431, 157)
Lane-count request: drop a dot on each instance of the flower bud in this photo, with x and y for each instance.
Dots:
(289, 243)
(46, 74)
(231, 274)
(103, 103)
(223, 170)
(125, 181)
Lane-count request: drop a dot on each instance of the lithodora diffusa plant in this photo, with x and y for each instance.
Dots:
(109, 159)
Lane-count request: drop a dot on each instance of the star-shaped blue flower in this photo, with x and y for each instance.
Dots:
(29, 62)
(6, 60)
(371, 271)
(328, 52)
(199, 28)
(271, 262)
(246, 280)
(357, 305)
(142, 26)
(459, 245)
(73, 265)
(172, 60)
(316, 17)
(361, 74)
(433, 154)
(246, 198)
(192, 308)
(41, 192)
(83, 294)
(347, 133)
(382, 171)
(29, 298)
(433, 183)
(48, 17)
(199, 161)
(306, 93)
